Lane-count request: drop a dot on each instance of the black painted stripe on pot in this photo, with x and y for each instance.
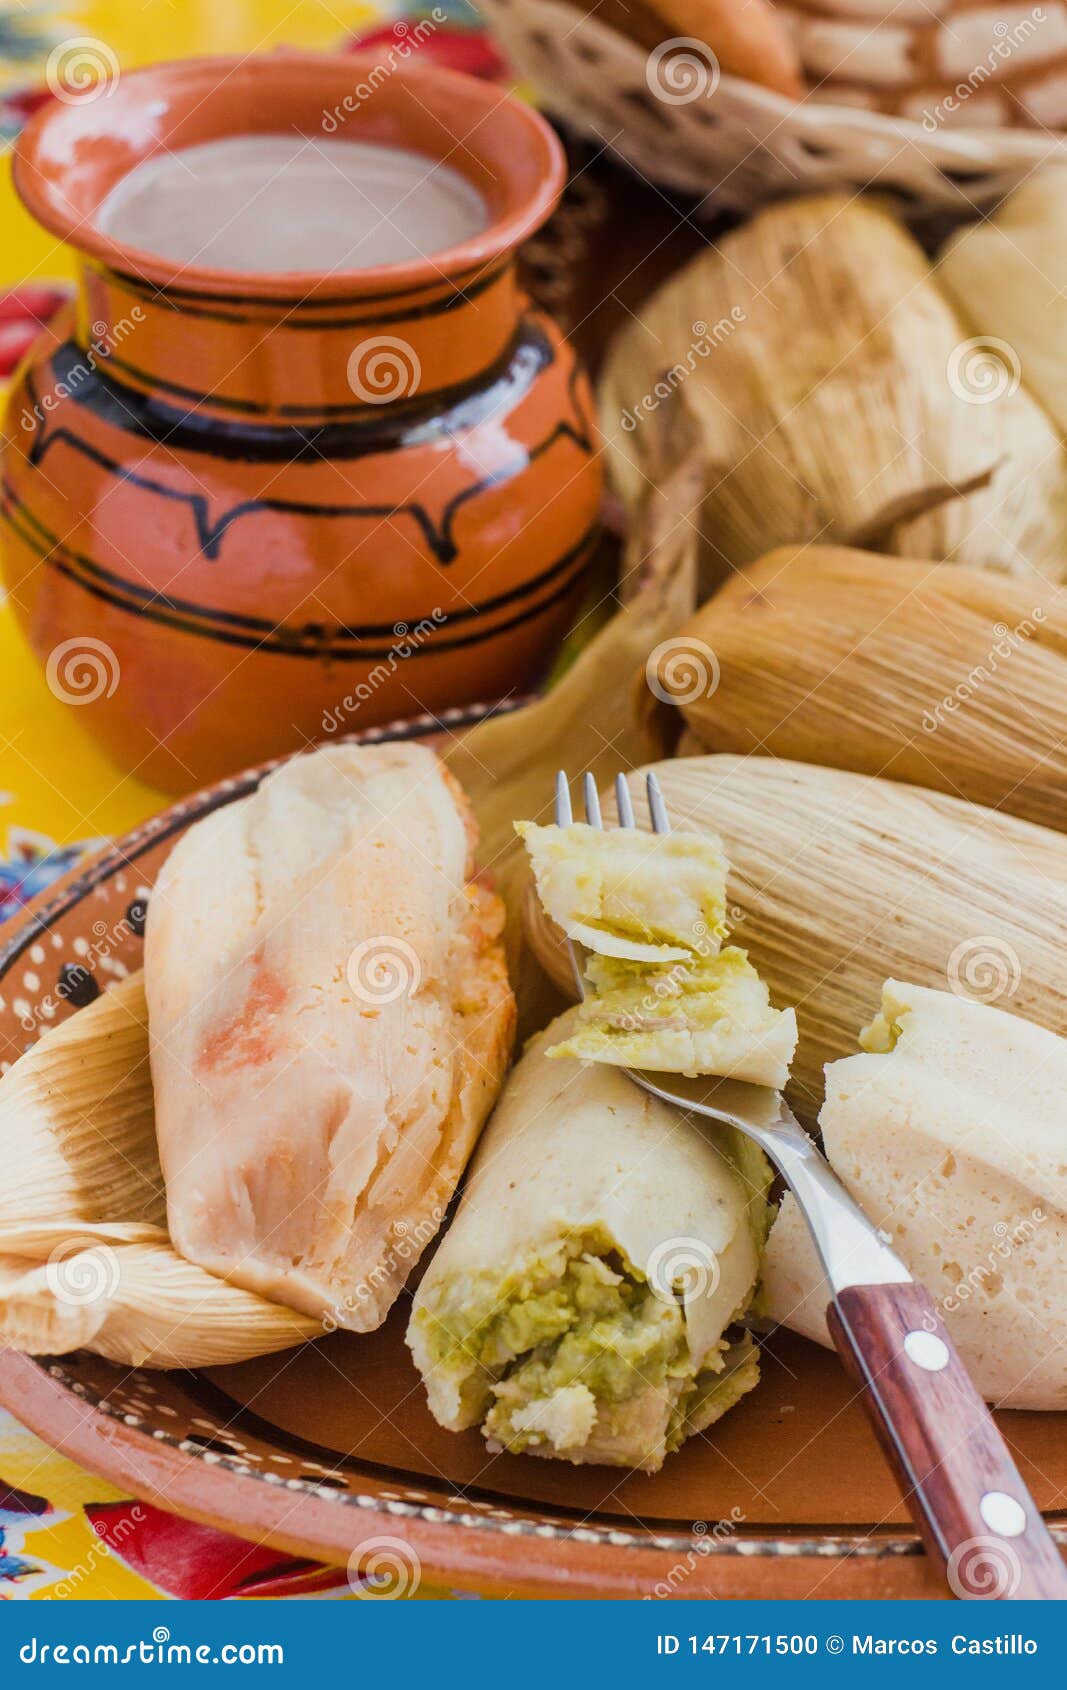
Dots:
(424, 402)
(45, 543)
(439, 536)
(397, 426)
(467, 284)
(298, 313)
(278, 641)
(345, 654)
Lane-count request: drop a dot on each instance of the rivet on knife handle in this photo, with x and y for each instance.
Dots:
(959, 1480)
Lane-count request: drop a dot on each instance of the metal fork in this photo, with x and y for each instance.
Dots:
(959, 1481)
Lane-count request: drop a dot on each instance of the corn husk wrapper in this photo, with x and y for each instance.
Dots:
(838, 880)
(85, 1258)
(144, 1306)
(954, 679)
(1008, 276)
(822, 367)
(955, 1142)
(73, 1114)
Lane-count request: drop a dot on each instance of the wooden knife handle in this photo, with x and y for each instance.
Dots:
(963, 1488)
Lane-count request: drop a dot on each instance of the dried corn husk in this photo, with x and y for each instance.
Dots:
(840, 880)
(1008, 276)
(77, 1134)
(954, 679)
(145, 1306)
(832, 385)
(85, 1259)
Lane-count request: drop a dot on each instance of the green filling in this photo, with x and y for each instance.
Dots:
(561, 1344)
(757, 1176)
(663, 890)
(707, 1015)
(884, 1031)
(716, 1393)
(645, 932)
(699, 993)
(612, 1353)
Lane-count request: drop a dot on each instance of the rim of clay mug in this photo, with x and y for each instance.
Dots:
(72, 152)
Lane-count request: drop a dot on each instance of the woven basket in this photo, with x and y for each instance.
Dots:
(734, 144)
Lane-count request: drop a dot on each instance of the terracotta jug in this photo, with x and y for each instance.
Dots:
(245, 511)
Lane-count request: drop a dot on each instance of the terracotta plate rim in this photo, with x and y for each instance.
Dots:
(46, 1398)
(453, 1549)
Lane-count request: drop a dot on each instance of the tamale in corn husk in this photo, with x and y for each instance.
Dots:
(1008, 277)
(949, 678)
(838, 880)
(156, 1310)
(822, 366)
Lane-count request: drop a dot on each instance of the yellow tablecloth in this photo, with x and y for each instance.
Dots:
(63, 1532)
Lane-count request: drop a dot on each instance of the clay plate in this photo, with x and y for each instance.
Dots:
(330, 1447)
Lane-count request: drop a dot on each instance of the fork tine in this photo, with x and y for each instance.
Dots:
(622, 802)
(657, 809)
(564, 816)
(592, 803)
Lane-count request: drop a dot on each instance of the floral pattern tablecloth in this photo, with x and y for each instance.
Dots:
(63, 1532)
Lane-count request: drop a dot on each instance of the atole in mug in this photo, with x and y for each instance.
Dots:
(292, 503)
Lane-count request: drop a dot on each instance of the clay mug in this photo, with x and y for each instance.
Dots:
(242, 512)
